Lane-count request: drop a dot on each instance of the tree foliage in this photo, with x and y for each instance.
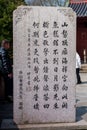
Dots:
(6, 17)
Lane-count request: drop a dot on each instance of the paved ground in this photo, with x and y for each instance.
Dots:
(81, 98)
(6, 109)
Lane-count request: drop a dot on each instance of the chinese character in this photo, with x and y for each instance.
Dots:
(64, 61)
(28, 76)
(36, 97)
(28, 49)
(20, 80)
(65, 87)
(64, 78)
(46, 51)
(36, 79)
(28, 82)
(55, 42)
(65, 43)
(65, 24)
(45, 42)
(64, 69)
(64, 96)
(46, 97)
(55, 52)
(20, 92)
(36, 42)
(46, 24)
(36, 52)
(56, 106)
(45, 69)
(36, 34)
(45, 61)
(55, 33)
(28, 54)
(28, 58)
(28, 63)
(56, 97)
(20, 84)
(55, 77)
(28, 41)
(20, 72)
(64, 105)
(56, 69)
(65, 51)
(65, 33)
(36, 60)
(29, 66)
(36, 106)
(55, 61)
(20, 105)
(36, 25)
(56, 87)
(45, 34)
(46, 87)
(55, 25)
(20, 97)
(28, 73)
(46, 78)
(36, 88)
(46, 106)
(20, 88)
(36, 69)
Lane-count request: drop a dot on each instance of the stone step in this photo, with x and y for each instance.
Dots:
(8, 124)
(83, 68)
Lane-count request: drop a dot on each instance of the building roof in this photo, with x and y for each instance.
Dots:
(78, 1)
(79, 8)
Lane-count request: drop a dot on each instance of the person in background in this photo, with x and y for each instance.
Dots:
(7, 69)
(78, 66)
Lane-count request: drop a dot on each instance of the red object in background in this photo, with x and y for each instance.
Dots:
(78, 1)
(81, 36)
(80, 7)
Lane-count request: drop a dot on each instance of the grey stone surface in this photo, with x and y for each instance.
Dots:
(44, 64)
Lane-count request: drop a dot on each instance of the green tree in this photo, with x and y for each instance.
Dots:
(6, 17)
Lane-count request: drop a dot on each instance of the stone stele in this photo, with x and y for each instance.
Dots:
(44, 41)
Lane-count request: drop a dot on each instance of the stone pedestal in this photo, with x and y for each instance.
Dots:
(44, 64)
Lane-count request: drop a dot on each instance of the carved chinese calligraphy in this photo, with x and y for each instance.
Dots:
(44, 65)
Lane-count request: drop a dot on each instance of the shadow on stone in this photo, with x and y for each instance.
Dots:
(81, 113)
(8, 124)
(6, 116)
(84, 82)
